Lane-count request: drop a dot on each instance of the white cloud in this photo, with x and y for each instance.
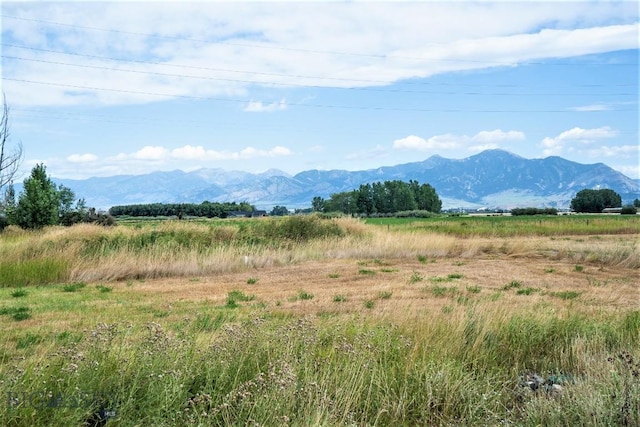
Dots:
(497, 135)
(259, 107)
(485, 139)
(150, 153)
(632, 172)
(592, 107)
(82, 158)
(556, 145)
(611, 151)
(189, 152)
(340, 44)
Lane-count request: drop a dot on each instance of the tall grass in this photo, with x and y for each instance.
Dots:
(311, 371)
(172, 248)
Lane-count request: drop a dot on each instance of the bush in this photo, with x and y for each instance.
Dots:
(626, 210)
(303, 228)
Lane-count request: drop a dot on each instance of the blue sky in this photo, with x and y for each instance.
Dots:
(107, 88)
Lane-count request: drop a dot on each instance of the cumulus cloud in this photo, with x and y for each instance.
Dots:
(149, 152)
(556, 145)
(483, 140)
(189, 152)
(259, 107)
(82, 158)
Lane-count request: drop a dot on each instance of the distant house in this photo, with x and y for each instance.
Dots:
(612, 210)
(246, 214)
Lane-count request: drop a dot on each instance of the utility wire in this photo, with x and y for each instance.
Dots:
(283, 48)
(347, 107)
(228, 70)
(258, 82)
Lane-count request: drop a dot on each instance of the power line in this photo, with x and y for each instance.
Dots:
(283, 48)
(300, 76)
(347, 107)
(258, 82)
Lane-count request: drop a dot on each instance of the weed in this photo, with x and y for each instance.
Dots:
(566, 294)
(549, 270)
(415, 278)
(334, 276)
(579, 268)
(17, 313)
(18, 293)
(366, 272)
(252, 281)
(305, 295)
(369, 303)
(527, 291)
(423, 259)
(73, 287)
(339, 298)
(103, 289)
(455, 276)
(28, 340)
(474, 289)
(441, 291)
(388, 270)
(514, 284)
(446, 309)
(238, 295)
(597, 283)
(384, 294)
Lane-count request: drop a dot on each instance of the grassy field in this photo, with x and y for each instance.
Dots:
(303, 321)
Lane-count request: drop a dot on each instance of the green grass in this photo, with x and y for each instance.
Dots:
(527, 291)
(231, 368)
(566, 295)
(303, 295)
(415, 278)
(474, 289)
(73, 287)
(514, 284)
(366, 272)
(508, 226)
(384, 294)
(19, 293)
(103, 289)
(17, 313)
(34, 271)
(339, 298)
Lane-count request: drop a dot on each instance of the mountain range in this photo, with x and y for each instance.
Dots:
(492, 178)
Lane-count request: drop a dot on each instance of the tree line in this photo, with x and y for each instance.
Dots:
(42, 203)
(205, 209)
(386, 197)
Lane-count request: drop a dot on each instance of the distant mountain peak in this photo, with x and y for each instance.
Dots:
(492, 178)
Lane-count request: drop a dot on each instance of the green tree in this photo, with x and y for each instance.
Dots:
(594, 201)
(636, 203)
(317, 204)
(279, 211)
(38, 205)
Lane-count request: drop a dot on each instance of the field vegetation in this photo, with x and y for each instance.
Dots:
(310, 321)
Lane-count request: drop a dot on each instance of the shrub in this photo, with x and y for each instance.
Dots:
(626, 210)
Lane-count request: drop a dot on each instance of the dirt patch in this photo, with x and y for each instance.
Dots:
(401, 285)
